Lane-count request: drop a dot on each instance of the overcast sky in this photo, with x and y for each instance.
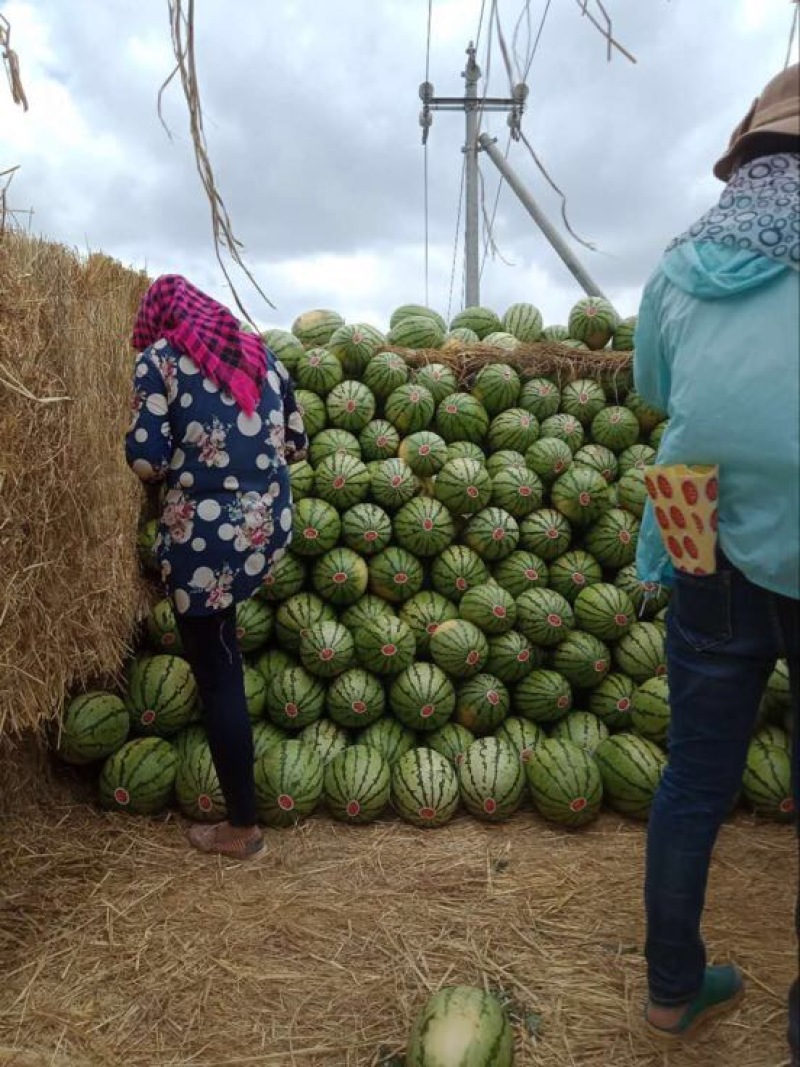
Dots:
(311, 111)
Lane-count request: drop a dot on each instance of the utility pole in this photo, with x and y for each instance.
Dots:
(473, 107)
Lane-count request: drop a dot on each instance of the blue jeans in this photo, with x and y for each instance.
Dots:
(723, 637)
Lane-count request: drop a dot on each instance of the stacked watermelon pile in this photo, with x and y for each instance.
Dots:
(459, 621)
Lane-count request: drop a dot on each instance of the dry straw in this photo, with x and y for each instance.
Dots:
(68, 506)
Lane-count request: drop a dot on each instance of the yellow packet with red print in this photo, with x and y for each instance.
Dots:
(686, 508)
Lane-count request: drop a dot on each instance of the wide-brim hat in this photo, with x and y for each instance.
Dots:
(775, 111)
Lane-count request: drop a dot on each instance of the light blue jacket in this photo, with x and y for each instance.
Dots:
(718, 349)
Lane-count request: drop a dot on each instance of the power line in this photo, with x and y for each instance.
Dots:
(532, 55)
(792, 32)
(480, 25)
(455, 242)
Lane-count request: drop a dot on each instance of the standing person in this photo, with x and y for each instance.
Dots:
(717, 347)
(215, 418)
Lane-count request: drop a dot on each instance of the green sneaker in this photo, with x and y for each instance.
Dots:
(722, 990)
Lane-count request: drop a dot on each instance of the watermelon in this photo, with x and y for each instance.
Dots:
(456, 570)
(424, 527)
(583, 398)
(342, 481)
(316, 327)
(332, 442)
(604, 610)
(297, 615)
(265, 737)
(424, 788)
(378, 440)
(424, 452)
(139, 778)
(340, 576)
(385, 646)
(482, 704)
(631, 769)
(357, 785)
(777, 695)
(162, 695)
(632, 492)
(355, 698)
(424, 612)
(573, 342)
(516, 490)
(393, 483)
(255, 693)
(285, 577)
(543, 696)
(350, 406)
(513, 428)
(490, 607)
(301, 478)
(581, 495)
(289, 781)
(197, 788)
(327, 649)
(480, 319)
(389, 737)
(655, 438)
(648, 598)
(623, 339)
(455, 340)
(162, 629)
(582, 659)
(564, 428)
(326, 738)
(284, 345)
(311, 409)
(272, 661)
(511, 657)
(422, 697)
(460, 417)
(612, 538)
(94, 726)
(461, 1027)
(406, 311)
(384, 373)
(773, 735)
(466, 450)
(295, 698)
(395, 575)
(146, 540)
(188, 739)
(612, 701)
(254, 623)
(615, 427)
(450, 741)
(540, 396)
(522, 735)
(438, 379)
(650, 716)
(521, 571)
(502, 460)
(565, 782)
(581, 728)
(463, 486)
(548, 458)
(366, 610)
(354, 346)
(648, 417)
(366, 529)
(491, 779)
(544, 616)
(593, 320)
(501, 339)
(599, 458)
(410, 408)
(523, 321)
(767, 781)
(574, 572)
(318, 371)
(459, 648)
(492, 533)
(637, 456)
(546, 533)
(316, 525)
(640, 653)
(417, 331)
(497, 387)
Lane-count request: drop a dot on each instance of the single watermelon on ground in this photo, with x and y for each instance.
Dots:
(491, 779)
(357, 785)
(424, 788)
(631, 769)
(289, 781)
(197, 788)
(565, 782)
(767, 781)
(139, 778)
(461, 1026)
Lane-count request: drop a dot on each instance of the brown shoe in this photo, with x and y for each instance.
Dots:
(222, 839)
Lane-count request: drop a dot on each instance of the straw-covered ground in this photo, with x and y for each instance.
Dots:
(118, 946)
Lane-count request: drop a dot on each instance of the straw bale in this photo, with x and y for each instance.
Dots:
(119, 945)
(68, 506)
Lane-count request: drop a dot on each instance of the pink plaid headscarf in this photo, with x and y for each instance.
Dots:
(201, 328)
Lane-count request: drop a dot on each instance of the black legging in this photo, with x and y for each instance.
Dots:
(209, 643)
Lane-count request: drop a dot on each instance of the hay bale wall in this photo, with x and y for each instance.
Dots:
(68, 505)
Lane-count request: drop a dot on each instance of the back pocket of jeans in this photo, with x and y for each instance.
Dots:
(701, 609)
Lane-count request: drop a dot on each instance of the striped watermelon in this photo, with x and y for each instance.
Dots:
(544, 616)
(461, 1027)
(284, 345)
(492, 533)
(605, 611)
(342, 481)
(316, 327)
(288, 783)
(384, 373)
(490, 607)
(612, 538)
(543, 696)
(254, 623)
(767, 781)
(583, 729)
(522, 735)
(389, 737)
(641, 653)
(378, 440)
(326, 738)
(523, 321)
(463, 486)
(312, 410)
(424, 527)
(424, 612)
(301, 478)
(480, 319)
(272, 661)
(654, 440)
(318, 371)
(295, 698)
(456, 339)
(593, 320)
(332, 442)
(513, 428)
(580, 494)
(517, 490)
(406, 311)
(650, 717)
(456, 570)
(417, 331)
(424, 788)
(616, 428)
(502, 460)
(777, 696)
(648, 417)
(583, 399)
(459, 648)
(146, 540)
(548, 458)
(637, 456)
(366, 610)
(466, 450)
(316, 525)
(139, 778)
(424, 452)
(773, 735)
(623, 339)
(460, 417)
(631, 769)
(327, 649)
(546, 533)
(197, 788)
(491, 779)
(438, 379)
(540, 396)
(599, 458)
(565, 782)
(573, 572)
(521, 571)
(612, 701)
(187, 739)
(354, 346)
(393, 483)
(395, 574)
(265, 737)
(355, 698)
(162, 695)
(366, 529)
(385, 646)
(162, 629)
(497, 387)
(285, 577)
(450, 741)
(350, 406)
(648, 598)
(511, 657)
(94, 726)
(555, 333)
(410, 408)
(582, 659)
(482, 704)
(422, 697)
(255, 693)
(357, 785)
(501, 339)
(297, 615)
(564, 428)
(340, 576)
